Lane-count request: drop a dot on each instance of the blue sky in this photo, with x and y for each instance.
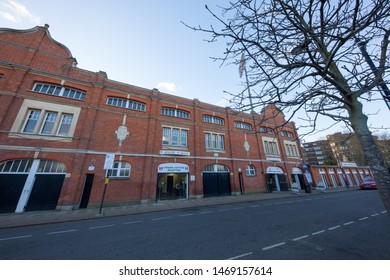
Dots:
(144, 43)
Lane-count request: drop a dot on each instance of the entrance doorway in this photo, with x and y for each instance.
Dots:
(276, 179)
(297, 178)
(216, 180)
(86, 190)
(172, 181)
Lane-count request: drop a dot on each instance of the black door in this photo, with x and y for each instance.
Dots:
(86, 190)
(45, 193)
(216, 184)
(11, 187)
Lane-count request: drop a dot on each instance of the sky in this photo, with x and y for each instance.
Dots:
(144, 43)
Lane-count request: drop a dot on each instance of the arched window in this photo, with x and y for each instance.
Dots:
(121, 169)
(250, 170)
(216, 168)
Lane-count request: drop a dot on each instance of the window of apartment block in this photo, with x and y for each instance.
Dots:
(250, 170)
(270, 146)
(173, 136)
(126, 103)
(215, 141)
(243, 125)
(59, 91)
(175, 113)
(213, 119)
(38, 119)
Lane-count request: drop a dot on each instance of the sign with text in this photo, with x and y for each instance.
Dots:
(109, 162)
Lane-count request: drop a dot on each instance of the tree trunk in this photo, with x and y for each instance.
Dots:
(373, 156)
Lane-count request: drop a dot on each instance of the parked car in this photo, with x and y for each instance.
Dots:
(368, 184)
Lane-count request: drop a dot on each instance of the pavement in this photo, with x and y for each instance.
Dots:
(9, 220)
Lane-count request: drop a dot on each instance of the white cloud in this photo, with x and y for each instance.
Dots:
(169, 87)
(18, 13)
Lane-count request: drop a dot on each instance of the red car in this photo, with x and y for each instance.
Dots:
(368, 184)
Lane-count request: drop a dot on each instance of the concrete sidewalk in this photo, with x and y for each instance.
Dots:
(44, 217)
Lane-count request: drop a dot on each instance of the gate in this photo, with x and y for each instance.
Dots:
(216, 181)
(30, 184)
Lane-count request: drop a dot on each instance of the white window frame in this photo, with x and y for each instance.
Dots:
(121, 169)
(213, 119)
(18, 129)
(172, 112)
(271, 146)
(56, 90)
(242, 125)
(182, 137)
(126, 103)
(291, 149)
(250, 170)
(214, 141)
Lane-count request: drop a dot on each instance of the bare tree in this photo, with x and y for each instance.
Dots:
(303, 55)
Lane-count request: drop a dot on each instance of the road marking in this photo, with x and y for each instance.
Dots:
(97, 227)
(318, 232)
(299, 238)
(311, 245)
(238, 208)
(206, 212)
(15, 237)
(274, 246)
(332, 228)
(376, 214)
(226, 209)
(162, 218)
(240, 256)
(383, 212)
(132, 222)
(186, 215)
(62, 231)
(348, 223)
(364, 218)
(253, 206)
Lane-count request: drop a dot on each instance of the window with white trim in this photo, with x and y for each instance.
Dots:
(213, 119)
(175, 113)
(174, 136)
(270, 146)
(215, 141)
(121, 169)
(291, 149)
(59, 91)
(243, 125)
(43, 120)
(250, 170)
(53, 123)
(126, 103)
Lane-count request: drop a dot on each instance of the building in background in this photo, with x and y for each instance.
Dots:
(64, 130)
(318, 153)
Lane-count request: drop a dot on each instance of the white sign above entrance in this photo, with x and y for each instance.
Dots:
(173, 168)
(274, 170)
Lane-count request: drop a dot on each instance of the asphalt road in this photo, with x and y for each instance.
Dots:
(347, 226)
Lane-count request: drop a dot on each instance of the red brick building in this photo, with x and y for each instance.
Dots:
(59, 124)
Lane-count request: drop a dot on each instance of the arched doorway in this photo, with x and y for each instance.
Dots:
(216, 180)
(30, 184)
(276, 179)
